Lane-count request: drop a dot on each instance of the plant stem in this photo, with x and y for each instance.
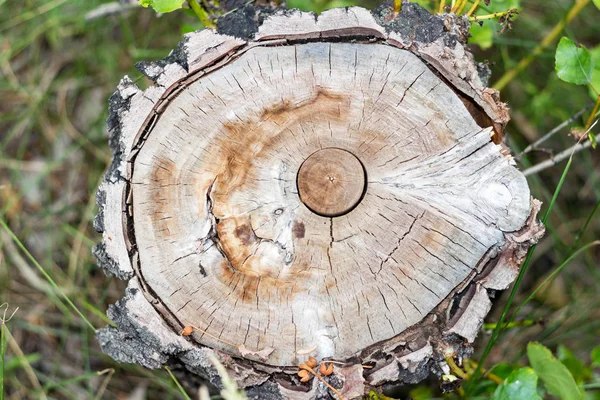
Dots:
(576, 148)
(556, 272)
(183, 392)
(494, 378)
(456, 369)
(491, 16)
(473, 8)
(442, 6)
(2, 353)
(593, 114)
(200, 13)
(555, 130)
(488, 375)
(312, 371)
(550, 37)
(584, 228)
(461, 6)
(397, 6)
(499, 327)
(513, 324)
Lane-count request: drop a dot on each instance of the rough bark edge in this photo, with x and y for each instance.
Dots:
(415, 352)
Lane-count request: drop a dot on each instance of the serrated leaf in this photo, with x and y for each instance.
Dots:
(162, 6)
(573, 62)
(552, 372)
(521, 384)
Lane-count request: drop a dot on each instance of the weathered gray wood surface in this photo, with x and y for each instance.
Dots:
(201, 212)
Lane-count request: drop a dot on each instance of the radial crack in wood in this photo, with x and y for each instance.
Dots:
(289, 194)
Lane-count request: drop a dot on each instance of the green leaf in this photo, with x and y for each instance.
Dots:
(577, 367)
(573, 63)
(552, 372)
(521, 384)
(596, 354)
(595, 83)
(597, 3)
(162, 6)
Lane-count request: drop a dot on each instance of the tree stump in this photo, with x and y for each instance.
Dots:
(293, 185)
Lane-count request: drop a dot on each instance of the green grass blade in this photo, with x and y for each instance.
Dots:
(54, 385)
(554, 273)
(501, 325)
(45, 274)
(181, 390)
(585, 226)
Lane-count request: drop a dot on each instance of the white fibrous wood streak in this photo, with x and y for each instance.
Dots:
(293, 185)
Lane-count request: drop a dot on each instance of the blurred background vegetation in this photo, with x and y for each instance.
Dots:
(57, 70)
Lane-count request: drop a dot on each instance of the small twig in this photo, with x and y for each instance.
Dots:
(109, 372)
(493, 15)
(594, 111)
(312, 371)
(557, 129)
(4, 320)
(456, 370)
(263, 353)
(563, 155)
(488, 375)
(108, 9)
(212, 336)
(200, 13)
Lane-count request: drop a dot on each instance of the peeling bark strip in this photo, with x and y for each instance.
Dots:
(326, 186)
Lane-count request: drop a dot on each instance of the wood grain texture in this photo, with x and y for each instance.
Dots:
(331, 182)
(205, 207)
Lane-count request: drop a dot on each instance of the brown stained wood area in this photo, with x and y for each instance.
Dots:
(318, 195)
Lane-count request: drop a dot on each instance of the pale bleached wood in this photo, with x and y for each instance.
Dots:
(471, 318)
(337, 22)
(203, 202)
(410, 152)
(204, 47)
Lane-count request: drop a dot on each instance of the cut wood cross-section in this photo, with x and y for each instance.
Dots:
(334, 187)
